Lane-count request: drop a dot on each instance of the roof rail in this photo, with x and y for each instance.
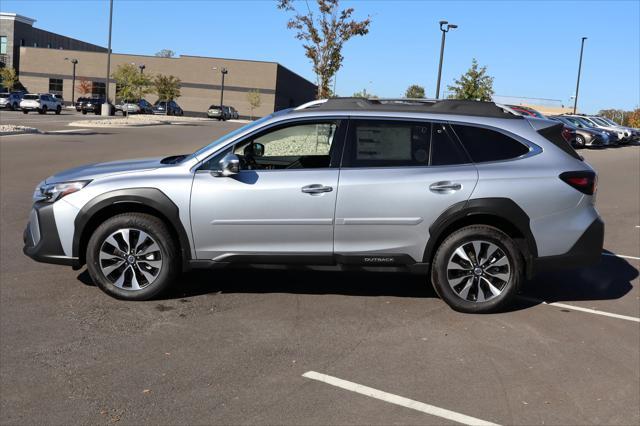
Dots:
(446, 106)
(310, 104)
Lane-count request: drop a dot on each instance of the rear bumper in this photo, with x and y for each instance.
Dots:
(41, 240)
(587, 251)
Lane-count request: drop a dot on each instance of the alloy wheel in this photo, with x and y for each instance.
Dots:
(130, 259)
(478, 271)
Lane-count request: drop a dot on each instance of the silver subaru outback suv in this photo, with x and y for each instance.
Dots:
(474, 198)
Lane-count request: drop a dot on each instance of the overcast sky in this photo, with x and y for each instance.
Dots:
(530, 47)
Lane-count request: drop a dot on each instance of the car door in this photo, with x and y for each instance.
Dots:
(397, 178)
(282, 201)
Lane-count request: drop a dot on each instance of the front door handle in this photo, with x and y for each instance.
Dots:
(445, 187)
(316, 188)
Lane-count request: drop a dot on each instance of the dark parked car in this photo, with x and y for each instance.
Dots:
(526, 111)
(581, 137)
(79, 103)
(582, 124)
(167, 108)
(233, 113)
(94, 105)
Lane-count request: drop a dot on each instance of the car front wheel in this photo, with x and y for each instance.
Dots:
(477, 269)
(580, 142)
(132, 256)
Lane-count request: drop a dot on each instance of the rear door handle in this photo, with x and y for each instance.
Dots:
(316, 188)
(445, 187)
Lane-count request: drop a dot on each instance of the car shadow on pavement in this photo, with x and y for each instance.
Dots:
(608, 280)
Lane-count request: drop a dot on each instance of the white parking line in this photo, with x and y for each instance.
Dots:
(578, 308)
(620, 255)
(395, 399)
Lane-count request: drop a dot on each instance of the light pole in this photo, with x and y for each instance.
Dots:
(73, 81)
(575, 100)
(106, 109)
(224, 72)
(142, 67)
(444, 27)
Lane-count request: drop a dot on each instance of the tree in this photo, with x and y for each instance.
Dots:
(84, 87)
(323, 37)
(364, 94)
(9, 78)
(166, 53)
(253, 97)
(414, 92)
(633, 118)
(167, 87)
(475, 84)
(131, 83)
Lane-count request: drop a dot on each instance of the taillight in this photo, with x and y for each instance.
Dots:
(566, 134)
(583, 181)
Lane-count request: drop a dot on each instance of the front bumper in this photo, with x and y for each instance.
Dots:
(41, 240)
(587, 251)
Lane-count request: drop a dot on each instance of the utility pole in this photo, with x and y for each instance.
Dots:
(575, 100)
(73, 81)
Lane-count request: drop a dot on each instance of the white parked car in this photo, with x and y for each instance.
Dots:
(41, 102)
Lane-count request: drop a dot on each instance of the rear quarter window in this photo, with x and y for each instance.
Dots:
(485, 145)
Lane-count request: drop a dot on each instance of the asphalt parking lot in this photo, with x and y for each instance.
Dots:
(231, 347)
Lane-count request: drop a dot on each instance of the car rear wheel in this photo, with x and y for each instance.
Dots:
(43, 110)
(132, 256)
(477, 269)
(24, 111)
(58, 110)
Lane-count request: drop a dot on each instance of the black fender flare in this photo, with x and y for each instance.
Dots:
(502, 208)
(148, 197)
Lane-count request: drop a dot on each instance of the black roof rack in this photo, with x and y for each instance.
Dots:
(447, 106)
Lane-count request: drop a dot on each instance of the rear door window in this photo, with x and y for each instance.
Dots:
(484, 145)
(391, 143)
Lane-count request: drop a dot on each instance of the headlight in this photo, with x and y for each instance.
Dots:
(54, 191)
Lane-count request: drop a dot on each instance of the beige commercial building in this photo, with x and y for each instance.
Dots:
(51, 70)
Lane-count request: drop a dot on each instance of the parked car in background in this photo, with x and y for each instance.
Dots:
(623, 136)
(79, 103)
(217, 112)
(40, 102)
(167, 108)
(581, 137)
(634, 133)
(58, 99)
(10, 100)
(141, 106)
(614, 136)
(232, 113)
(94, 105)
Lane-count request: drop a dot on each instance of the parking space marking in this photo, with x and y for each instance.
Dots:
(587, 310)
(620, 255)
(396, 399)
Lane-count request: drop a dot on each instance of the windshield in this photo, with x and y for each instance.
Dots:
(585, 121)
(4, 95)
(228, 136)
(600, 121)
(610, 121)
(30, 97)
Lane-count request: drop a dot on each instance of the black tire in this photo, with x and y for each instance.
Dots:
(58, 110)
(460, 238)
(84, 112)
(43, 110)
(158, 231)
(24, 111)
(579, 142)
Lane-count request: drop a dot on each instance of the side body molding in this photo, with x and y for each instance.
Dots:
(148, 198)
(500, 208)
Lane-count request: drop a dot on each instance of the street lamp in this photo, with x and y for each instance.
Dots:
(575, 100)
(444, 27)
(73, 82)
(142, 67)
(106, 109)
(224, 72)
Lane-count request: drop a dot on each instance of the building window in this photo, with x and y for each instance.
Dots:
(35, 44)
(21, 42)
(3, 45)
(55, 86)
(48, 45)
(97, 88)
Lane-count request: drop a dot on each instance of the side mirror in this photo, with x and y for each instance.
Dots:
(229, 165)
(258, 149)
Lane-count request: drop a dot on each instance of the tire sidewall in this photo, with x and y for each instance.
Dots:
(455, 240)
(157, 230)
